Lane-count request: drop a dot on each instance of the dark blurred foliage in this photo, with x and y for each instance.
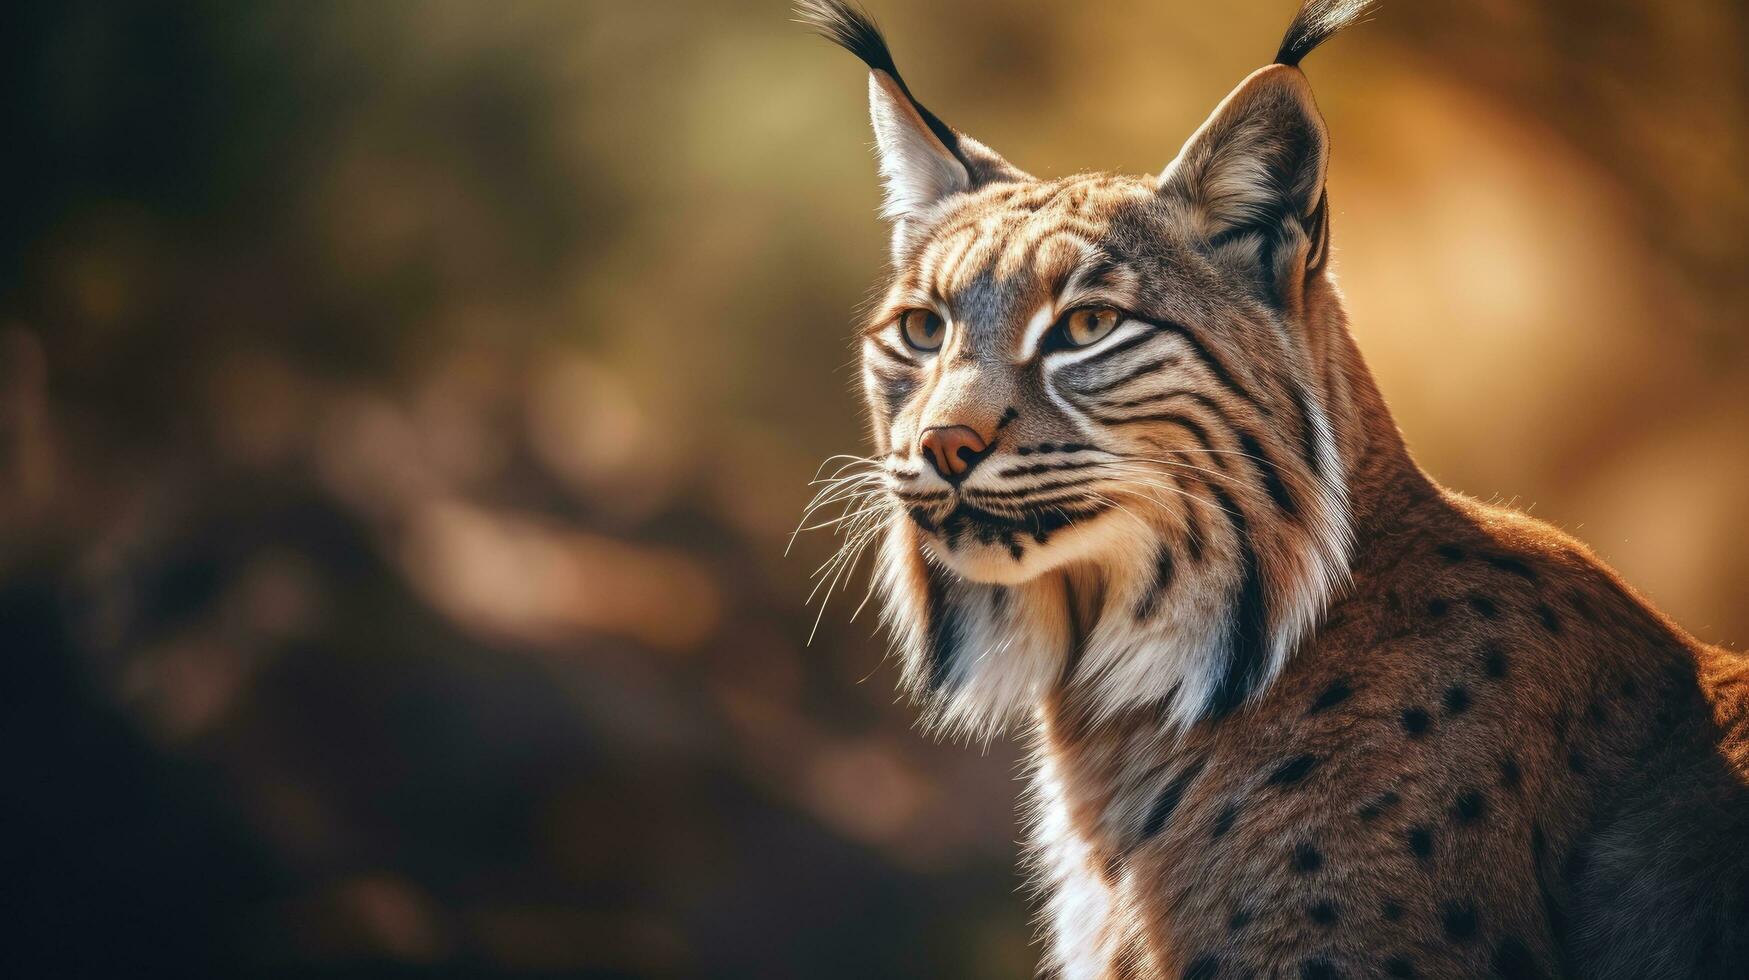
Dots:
(404, 408)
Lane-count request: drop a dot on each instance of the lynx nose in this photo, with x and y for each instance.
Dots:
(953, 450)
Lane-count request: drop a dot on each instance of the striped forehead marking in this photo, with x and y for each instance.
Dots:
(1012, 229)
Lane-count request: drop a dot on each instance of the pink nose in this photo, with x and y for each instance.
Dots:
(953, 450)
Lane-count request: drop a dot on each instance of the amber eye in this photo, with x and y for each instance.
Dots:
(1089, 325)
(922, 329)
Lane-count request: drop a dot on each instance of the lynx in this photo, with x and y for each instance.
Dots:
(1293, 709)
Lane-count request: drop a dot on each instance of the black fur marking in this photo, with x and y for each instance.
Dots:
(851, 29)
(1213, 363)
(1036, 468)
(1421, 842)
(1168, 800)
(1163, 573)
(1576, 762)
(1247, 655)
(1494, 661)
(1457, 699)
(1153, 399)
(1118, 349)
(1318, 969)
(896, 392)
(1511, 776)
(1192, 530)
(1317, 22)
(1037, 489)
(1271, 476)
(1581, 606)
(1323, 913)
(1224, 820)
(1240, 920)
(1179, 419)
(1038, 522)
(1450, 552)
(1205, 967)
(1484, 606)
(1470, 807)
(1308, 439)
(944, 630)
(1460, 921)
(1400, 966)
(1392, 910)
(1009, 414)
(1140, 370)
(1550, 621)
(1306, 858)
(1293, 770)
(1415, 721)
(1333, 695)
(1376, 807)
(1437, 607)
(1507, 563)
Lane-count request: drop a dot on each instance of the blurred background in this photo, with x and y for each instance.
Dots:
(404, 408)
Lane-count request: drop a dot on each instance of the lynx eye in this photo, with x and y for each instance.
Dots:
(1087, 325)
(922, 329)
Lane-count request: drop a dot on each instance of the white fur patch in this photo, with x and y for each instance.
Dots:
(1078, 905)
(917, 171)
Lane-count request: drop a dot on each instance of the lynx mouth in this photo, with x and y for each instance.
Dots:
(967, 524)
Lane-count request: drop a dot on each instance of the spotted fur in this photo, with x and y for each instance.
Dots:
(1295, 710)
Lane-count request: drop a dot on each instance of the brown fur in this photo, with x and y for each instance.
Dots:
(1300, 711)
(1486, 690)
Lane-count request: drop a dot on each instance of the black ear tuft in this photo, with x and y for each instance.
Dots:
(1317, 22)
(851, 28)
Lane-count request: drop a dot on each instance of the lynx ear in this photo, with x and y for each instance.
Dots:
(917, 168)
(922, 160)
(1252, 178)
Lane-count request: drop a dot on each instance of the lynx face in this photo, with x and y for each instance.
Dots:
(1100, 408)
(1050, 381)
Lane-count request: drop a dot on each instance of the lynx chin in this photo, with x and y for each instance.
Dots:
(1293, 709)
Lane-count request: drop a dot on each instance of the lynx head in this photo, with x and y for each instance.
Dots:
(1105, 409)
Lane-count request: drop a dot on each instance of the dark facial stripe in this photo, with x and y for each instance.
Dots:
(1179, 419)
(1037, 468)
(1163, 574)
(895, 392)
(1153, 399)
(944, 632)
(1213, 363)
(1168, 800)
(1140, 370)
(1271, 476)
(890, 351)
(1266, 467)
(1027, 509)
(1308, 438)
(1247, 634)
(1192, 527)
(1026, 491)
(1116, 349)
